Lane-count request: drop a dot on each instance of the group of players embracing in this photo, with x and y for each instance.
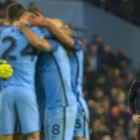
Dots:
(41, 71)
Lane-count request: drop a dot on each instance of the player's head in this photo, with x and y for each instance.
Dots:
(33, 15)
(34, 10)
(60, 24)
(14, 12)
(106, 137)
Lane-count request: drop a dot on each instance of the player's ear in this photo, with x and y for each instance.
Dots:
(6, 19)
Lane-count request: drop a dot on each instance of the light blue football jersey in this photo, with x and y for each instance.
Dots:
(53, 72)
(15, 48)
(76, 62)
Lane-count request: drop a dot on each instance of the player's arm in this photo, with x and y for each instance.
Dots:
(39, 20)
(59, 34)
(131, 101)
(6, 71)
(63, 37)
(35, 41)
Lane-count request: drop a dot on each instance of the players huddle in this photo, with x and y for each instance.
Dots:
(41, 71)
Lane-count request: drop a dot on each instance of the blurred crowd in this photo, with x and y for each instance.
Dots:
(107, 79)
(4, 4)
(126, 9)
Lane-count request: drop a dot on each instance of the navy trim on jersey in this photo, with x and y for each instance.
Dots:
(76, 81)
(16, 124)
(64, 126)
(20, 128)
(42, 130)
(84, 126)
(64, 90)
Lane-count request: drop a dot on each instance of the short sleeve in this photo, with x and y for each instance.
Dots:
(53, 44)
(77, 45)
(46, 33)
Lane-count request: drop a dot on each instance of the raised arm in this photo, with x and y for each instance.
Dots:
(35, 41)
(39, 20)
(59, 34)
(63, 34)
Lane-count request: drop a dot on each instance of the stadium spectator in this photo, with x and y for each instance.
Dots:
(123, 60)
(108, 58)
(94, 58)
(97, 40)
(106, 93)
(2, 11)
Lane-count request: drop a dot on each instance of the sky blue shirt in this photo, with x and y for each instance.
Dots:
(54, 74)
(15, 48)
(76, 62)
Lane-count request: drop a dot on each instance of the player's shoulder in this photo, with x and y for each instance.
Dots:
(10, 28)
(33, 28)
(46, 32)
(43, 29)
(136, 83)
(7, 29)
(3, 27)
(36, 30)
(137, 80)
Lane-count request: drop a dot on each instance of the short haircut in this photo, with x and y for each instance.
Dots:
(34, 10)
(14, 11)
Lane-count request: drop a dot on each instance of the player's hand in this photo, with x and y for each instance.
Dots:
(6, 71)
(3, 62)
(18, 23)
(56, 22)
(136, 118)
(36, 19)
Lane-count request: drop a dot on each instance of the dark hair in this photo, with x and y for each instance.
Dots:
(34, 10)
(14, 11)
(96, 35)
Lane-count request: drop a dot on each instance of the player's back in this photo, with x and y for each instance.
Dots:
(53, 69)
(15, 48)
